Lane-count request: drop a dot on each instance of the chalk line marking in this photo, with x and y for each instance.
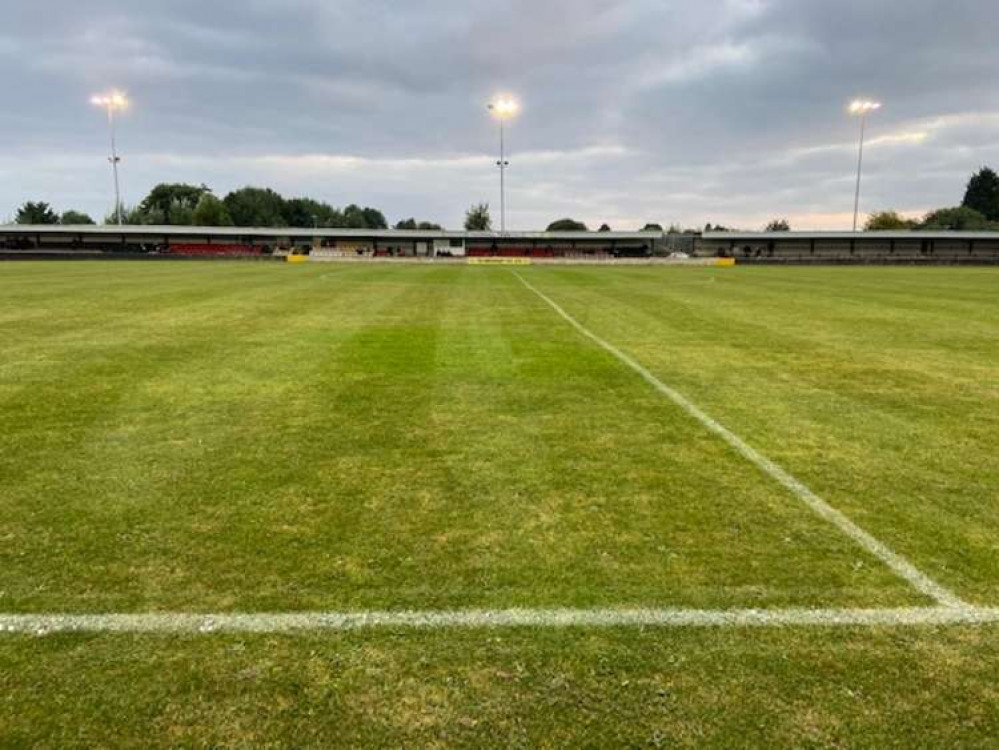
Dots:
(902, 567)
(289, 622)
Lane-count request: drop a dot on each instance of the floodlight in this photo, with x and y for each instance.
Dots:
(112, 101)
(861, 107)
(503, 107)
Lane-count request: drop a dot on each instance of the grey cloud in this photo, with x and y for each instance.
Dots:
(667, 110)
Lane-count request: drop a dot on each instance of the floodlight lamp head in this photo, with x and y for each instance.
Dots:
(863, 106)
(504, 107)
(112, 100)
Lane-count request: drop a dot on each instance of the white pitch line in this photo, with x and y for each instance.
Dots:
(291, 622)
(906, 570)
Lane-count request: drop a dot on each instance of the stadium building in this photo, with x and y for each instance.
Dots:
(928, 248)
(937, 248)
(97, 241)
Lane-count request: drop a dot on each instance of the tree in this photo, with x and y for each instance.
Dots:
(36, 212)
(604, 228)
(982, 194)
(778, 225)
(355, 217)
(301, 212)
(75, 218)
(133, 215)
(652, 227)
(426, 226)
(567, 225)
(256, 207)
(373, 218)
(211, 212)
(477, 218)
(179, 213)
(172, 203)
(887, 221)
(306, 212)
(959, 218)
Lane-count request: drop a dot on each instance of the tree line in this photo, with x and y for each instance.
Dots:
(478, 218)
(196, 205)
(979, 210)
(179, 204)
(571, 225)
(40, 212)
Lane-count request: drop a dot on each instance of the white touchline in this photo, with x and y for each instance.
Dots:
(289, 622)
(919, 580)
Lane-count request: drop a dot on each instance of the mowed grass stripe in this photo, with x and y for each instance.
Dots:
(878, 387)
(919, 581)
(385, 438)
(146, 483)
(595, 518)
(516, 687)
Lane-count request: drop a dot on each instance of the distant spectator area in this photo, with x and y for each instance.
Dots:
(210, 250)
(841, 248)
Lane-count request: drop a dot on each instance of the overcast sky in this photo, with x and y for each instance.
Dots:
(684, 111)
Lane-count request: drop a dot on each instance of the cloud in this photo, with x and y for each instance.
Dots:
(633, 110)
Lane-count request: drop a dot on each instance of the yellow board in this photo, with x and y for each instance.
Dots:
(725, 262)
(499, 261)
(297, 258)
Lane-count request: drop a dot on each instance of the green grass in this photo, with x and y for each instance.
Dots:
(260, 437)
(878, 387)
(521, 688)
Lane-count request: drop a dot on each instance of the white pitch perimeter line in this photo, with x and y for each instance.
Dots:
(288, 622)
(916, 578)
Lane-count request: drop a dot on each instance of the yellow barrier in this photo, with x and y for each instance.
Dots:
(499, 261)
(297, 258)
(725, 262)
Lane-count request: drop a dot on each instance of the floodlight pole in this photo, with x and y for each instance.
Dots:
(860, 165)
(502, 108)
(502, 164)
(114, 159)
(502, 168)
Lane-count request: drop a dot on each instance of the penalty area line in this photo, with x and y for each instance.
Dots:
(900, 565)
(292, 622)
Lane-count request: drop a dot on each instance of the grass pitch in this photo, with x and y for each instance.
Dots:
(267, 438)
